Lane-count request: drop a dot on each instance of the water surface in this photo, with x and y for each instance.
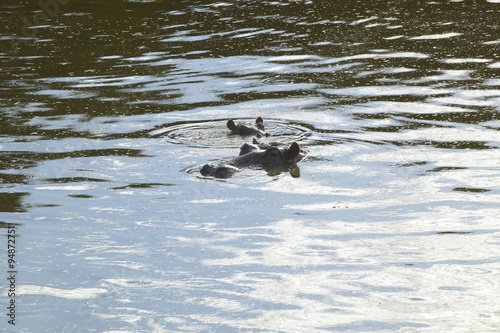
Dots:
(109, 108)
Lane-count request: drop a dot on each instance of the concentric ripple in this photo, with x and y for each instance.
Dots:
(215, 134)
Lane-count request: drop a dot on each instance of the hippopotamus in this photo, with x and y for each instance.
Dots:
(256, 145)
(273, 157)
(245, 129)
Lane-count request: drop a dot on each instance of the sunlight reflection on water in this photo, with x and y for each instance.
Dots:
(391, 226)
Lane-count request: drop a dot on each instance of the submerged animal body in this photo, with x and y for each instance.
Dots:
(256, 145)
(256, 129)
(272, 157)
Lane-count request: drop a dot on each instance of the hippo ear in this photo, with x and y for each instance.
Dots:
(231, 125)
(255, 142)
(260, 120)
(294, 150)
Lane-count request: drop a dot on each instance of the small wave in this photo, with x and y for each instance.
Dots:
(215, 134)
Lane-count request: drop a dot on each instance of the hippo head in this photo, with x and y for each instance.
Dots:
(257, 129)
(274, 156)
(218, 171)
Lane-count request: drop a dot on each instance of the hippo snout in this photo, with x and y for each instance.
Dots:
(218, 171)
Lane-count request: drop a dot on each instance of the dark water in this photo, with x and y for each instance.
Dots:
(108, 109)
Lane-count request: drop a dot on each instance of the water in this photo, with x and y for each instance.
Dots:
(108, 109)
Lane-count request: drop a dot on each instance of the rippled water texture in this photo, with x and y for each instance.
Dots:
(391, 223)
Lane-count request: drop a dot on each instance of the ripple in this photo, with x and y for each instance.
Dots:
(464, 60)
(64, 94)
(437, 36)
(394, 90)
(215, 134)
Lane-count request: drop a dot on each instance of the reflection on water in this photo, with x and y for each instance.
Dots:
(108, 108)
